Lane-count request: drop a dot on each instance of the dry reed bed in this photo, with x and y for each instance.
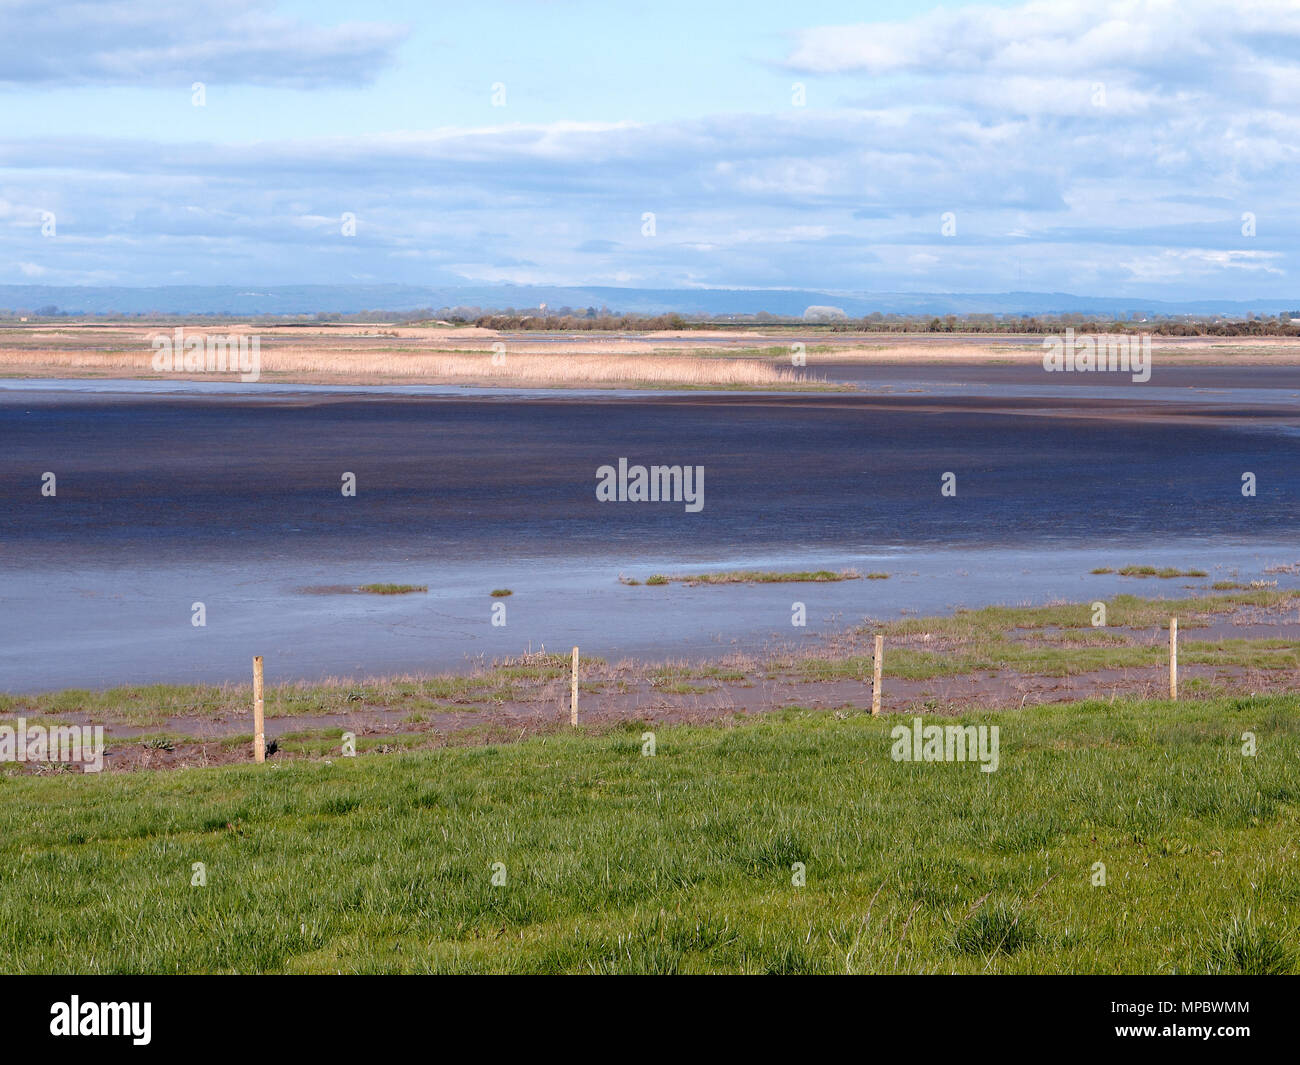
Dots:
(556, 368)
(561, 367)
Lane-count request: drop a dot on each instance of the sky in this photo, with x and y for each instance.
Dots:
(1125, 148)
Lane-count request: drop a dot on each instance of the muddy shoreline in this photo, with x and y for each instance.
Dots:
(631, 694)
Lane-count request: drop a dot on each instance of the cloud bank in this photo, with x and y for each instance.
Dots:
(1126, 148)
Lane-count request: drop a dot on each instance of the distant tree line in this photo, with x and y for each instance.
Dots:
(567, 323)
(1282, 325)
(602, 319)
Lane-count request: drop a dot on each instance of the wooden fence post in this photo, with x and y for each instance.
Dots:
(259, 717)
(1173, 658)
(573, 691)
(875, 675)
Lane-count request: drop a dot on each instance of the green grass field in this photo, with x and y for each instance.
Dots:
(619, 862)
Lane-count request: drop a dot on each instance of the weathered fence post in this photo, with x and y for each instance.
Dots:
(1173, 658)
(573, 691)
(259, 716)
(875, 675)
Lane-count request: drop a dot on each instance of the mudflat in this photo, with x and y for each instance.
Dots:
(170, 495)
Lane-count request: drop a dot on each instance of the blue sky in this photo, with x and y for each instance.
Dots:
(1102, 148)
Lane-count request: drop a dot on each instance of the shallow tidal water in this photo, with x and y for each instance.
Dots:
(170, 494)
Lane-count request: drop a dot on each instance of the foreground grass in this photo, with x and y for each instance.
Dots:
(618, 862)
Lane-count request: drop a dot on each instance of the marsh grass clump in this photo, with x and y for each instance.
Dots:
(635, 956)
(753, 576)
(501, 593)
(794, 959)
(1247, 948)
(934, 879)
(392, 589)
(995, 929)
(1165, 572)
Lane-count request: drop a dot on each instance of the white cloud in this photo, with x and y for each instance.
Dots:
(1154, 39)
(142, 42)
(1200, 262)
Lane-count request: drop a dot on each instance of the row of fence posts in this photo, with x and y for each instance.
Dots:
(877, 667)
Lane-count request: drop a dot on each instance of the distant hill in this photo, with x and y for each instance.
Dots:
(350, 299)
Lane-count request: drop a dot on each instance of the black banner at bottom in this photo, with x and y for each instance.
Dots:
(145, 1014)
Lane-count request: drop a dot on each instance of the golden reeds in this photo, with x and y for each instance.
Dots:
(559, 368)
